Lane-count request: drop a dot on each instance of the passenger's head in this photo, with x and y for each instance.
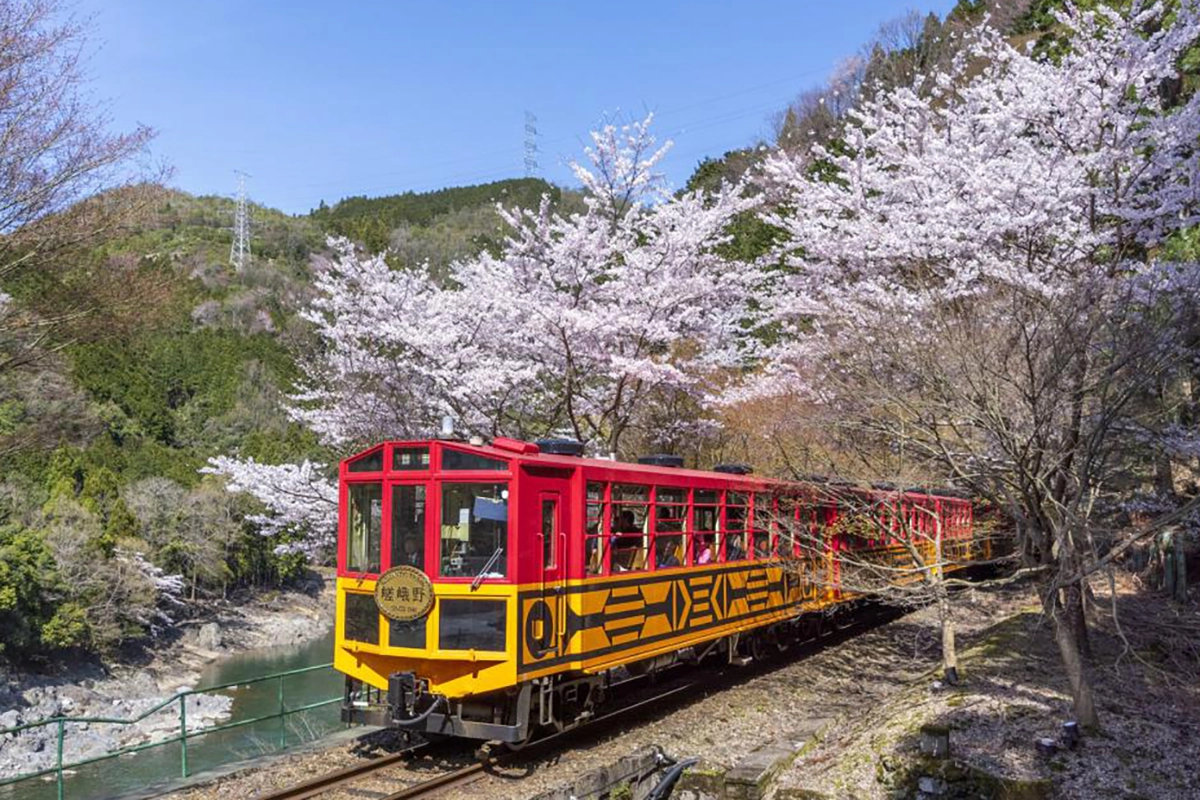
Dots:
(628, 521)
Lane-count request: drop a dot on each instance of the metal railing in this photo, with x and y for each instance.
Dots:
(182, 737)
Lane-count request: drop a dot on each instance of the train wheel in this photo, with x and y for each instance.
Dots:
(516, 747)
(760, 647)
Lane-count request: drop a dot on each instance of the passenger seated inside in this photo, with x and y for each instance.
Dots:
(704, 550)
(667, 552)
(734, 551)
(626, 542)
(595, 555)
(412, 552)
(762, 547)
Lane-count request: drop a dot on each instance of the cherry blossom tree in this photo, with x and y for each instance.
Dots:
(299, 498)
(977, 284)
(583, 322)
(577, 323)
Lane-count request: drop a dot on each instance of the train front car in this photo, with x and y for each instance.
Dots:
(426, 588)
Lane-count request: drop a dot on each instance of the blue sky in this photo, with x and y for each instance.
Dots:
(322, 100)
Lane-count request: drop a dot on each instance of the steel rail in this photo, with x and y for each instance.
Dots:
(330, 780)
(534, 748)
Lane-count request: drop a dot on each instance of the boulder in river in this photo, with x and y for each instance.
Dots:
(209, 636)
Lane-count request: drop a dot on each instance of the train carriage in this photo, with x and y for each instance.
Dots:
(485, 589)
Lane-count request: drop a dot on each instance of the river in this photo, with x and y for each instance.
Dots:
(134, 774)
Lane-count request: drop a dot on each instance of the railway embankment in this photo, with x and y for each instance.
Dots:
(1004, 722)
(124, 689)
(847, 720)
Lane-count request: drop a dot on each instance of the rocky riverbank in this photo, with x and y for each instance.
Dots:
(127, 690)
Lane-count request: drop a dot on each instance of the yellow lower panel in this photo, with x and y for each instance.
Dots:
(604, 622)
(452, 672)
(588, 625)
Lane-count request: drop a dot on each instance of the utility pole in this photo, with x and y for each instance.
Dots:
(531, 148)
(239, 251)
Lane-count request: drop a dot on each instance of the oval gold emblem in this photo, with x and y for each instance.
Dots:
(404, 594)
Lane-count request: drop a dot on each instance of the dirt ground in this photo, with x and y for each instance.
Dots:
(1013, 694)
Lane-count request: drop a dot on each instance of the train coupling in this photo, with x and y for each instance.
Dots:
(410, 705)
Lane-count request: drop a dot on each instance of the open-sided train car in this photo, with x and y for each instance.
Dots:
(484, 590)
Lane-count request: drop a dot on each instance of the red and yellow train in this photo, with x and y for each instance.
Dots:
(484, 590)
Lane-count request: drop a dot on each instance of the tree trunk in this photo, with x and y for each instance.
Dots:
(1073, 608)
(1180, 582)
(949, 650)
(1075, 664)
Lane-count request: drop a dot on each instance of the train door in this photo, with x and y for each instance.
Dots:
(550, 493)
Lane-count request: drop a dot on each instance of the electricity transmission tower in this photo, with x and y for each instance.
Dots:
(531, 148)
(239, 251)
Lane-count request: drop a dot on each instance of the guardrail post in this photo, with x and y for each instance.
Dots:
(61, 732)
(282, 722)
(183, 734)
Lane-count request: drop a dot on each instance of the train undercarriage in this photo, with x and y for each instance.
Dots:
(553, 703)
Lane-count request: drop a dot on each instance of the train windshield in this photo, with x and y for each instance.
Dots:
(474, 530)
(408, 525)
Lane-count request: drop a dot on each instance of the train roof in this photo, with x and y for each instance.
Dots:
(528, 453)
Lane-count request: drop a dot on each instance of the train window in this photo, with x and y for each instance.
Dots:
(408, 526)
(622, 492)
(706, 526)
(549, 532)
(735, 526)
(361, 620)
(670, 510)
(785, 526)
(474, 540)
(410, 458)
(364, 526)
(805, 530)
(407, 634)
(372, 462)
(458, 460)
(759, 535)
(596, 503)
(471, 624)
(670, 516)
(630, 511)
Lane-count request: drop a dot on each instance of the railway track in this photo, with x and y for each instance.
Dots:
(372, 779)
(345, 780)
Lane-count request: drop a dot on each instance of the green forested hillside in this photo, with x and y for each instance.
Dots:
(467, 211)
(103, 431)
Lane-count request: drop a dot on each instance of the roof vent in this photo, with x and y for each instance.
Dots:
(734, 469)
(560, 447)
(662, 460)
(884, 486)
(515, 445)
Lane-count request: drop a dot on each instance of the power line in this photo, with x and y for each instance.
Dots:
(531, 145)
(431, 167)
(239, 251)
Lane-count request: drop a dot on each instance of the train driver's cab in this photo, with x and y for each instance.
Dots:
(441, 510)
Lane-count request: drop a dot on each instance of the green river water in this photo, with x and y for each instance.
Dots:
(138, 773)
